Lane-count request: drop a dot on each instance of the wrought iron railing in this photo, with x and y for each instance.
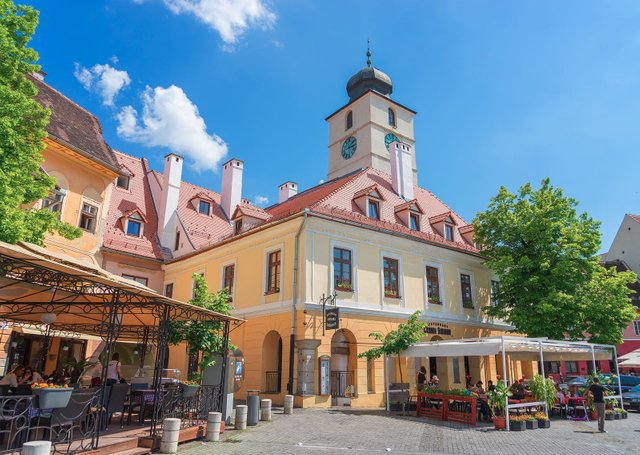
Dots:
(190, 409)
(340, 382)
(272, 383)
(15, 422)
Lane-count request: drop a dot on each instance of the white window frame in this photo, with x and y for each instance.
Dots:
(128, 188)
(98, 206)
(378, 202)
(491, 280)
(198, 207)
(135, 220)
(265, 270)
(443, 302)
(453, 236)
(473, 290)
(234, 263)
(354, 265)
(164, 288)
(398, 257)
(636, 327)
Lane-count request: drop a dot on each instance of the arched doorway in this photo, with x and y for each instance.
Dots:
(343, 367)
(272, 362)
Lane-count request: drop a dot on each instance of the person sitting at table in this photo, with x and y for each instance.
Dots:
(560, 402)
(30, 377)
(11, 378)
(575, 392)
(490, 386)
(520, 391)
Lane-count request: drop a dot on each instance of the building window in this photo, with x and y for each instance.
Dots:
(204, 207)
(88, 217)
(168, 290)
(414, 222)
(273, 276)
(433, 285)
(456, 370)
(53, 203)
(552, 367)
(137, 279)
(495, 292)
(373, 209)
(228, 275)
(134, 228)
(342, 269)
(371, 375)
(448, 232)
(465, 285)
(123, 182)
(238, 226)
(392, 117)
(571, 367)
(349, 120)
(391, 282)
(636, 327)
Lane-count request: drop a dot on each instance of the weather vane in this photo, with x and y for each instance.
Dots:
(369, 52)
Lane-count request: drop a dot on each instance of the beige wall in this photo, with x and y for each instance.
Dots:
(121, 264)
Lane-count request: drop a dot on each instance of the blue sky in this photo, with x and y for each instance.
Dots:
(506, 92)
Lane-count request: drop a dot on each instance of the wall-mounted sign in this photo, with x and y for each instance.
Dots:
(324, 375)
(332, 318)
(437, 328)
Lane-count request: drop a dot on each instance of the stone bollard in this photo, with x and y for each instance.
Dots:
(241, 417)
(213, 426)
(36, 448)
(265, 410)
(253, 410)
(288, 404)
(170, 433)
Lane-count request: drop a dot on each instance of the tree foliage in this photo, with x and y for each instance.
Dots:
(544, 253)
(205, 339)
(22, 130)
(397, 341)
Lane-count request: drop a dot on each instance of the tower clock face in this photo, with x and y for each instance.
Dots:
(389, 138)
(349, 147)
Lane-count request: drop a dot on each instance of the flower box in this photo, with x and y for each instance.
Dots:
(617, 416)
(52, 398)
(609, 416)
(430, 405)
(189, 390)
(532, 424)
(624, 415)
(517, 425)
(544, 423)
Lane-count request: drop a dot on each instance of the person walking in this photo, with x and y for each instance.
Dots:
(597, 391)
(113, 370)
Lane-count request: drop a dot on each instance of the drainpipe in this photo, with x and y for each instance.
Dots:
(295, 299)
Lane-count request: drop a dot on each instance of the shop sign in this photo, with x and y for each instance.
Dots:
(324, 375)
(332, 318)
(436, 328)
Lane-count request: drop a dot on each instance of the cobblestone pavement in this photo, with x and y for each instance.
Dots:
(322, 431)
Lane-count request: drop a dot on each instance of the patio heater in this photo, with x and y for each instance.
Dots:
(47, 319)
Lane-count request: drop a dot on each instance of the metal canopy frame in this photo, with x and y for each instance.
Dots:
(40, 287)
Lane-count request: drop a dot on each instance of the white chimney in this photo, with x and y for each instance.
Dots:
(401, 171)
(287, 190)
(169, 197)
(231, 193)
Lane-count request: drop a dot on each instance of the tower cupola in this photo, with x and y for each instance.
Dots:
(369, 78)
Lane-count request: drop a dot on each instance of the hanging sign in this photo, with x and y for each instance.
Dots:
(332, 318)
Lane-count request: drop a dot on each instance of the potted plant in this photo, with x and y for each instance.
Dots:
(51, 396)
(497, 401)
(543, 420)
(531, 422)
(344, 286)
(616, 414)
(77, 367)
(623, 413)
(189, 388)
(543, 390)
(608, 414)
(517, 423)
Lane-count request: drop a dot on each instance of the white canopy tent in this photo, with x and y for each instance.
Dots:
(518, 348)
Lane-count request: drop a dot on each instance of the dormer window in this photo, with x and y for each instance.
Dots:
(392, 118)
(414, 222)
(349, 122)
(204, 207)
(448, 232)
(134, 224)
(373, 209)
(238, 226)
(123, 182)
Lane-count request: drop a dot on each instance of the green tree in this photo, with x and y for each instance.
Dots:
(544, 253)
(22, 129)
(204, 339)
(397, 341)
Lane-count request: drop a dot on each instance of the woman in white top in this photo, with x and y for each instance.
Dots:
(11, 378)
(113, 369)
(29, 376)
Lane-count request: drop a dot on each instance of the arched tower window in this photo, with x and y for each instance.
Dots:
(349, 120)
(392, 118)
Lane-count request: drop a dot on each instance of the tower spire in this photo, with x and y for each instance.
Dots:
(369, 52)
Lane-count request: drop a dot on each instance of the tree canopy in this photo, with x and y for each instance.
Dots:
(22, 130)
(545, 255)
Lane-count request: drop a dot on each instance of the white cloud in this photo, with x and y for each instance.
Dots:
(169, 119)
(230, 18)
(104, 80)
(260, 201)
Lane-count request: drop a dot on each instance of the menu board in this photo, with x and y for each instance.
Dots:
(324, 375)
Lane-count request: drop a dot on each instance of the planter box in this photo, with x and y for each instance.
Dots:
(460, 409)
(430, 405)
(544, 423)
(609, 417)
(532, 424)
(189, 391)
(617, 416)
(499, 423)
(624, 415)
(517, 426)
(52, 398)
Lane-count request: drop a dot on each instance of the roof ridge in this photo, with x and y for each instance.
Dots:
(347, 179)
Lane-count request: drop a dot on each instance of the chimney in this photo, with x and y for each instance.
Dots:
(287, 190)
(169, 198)
(231, 193)
(401, 171)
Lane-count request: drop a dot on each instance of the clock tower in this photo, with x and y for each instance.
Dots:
(360, 132)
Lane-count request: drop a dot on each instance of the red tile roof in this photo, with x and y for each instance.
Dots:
(124, 203)
(635, 217)
(407, 206)
(74, 125)
(250, 210)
